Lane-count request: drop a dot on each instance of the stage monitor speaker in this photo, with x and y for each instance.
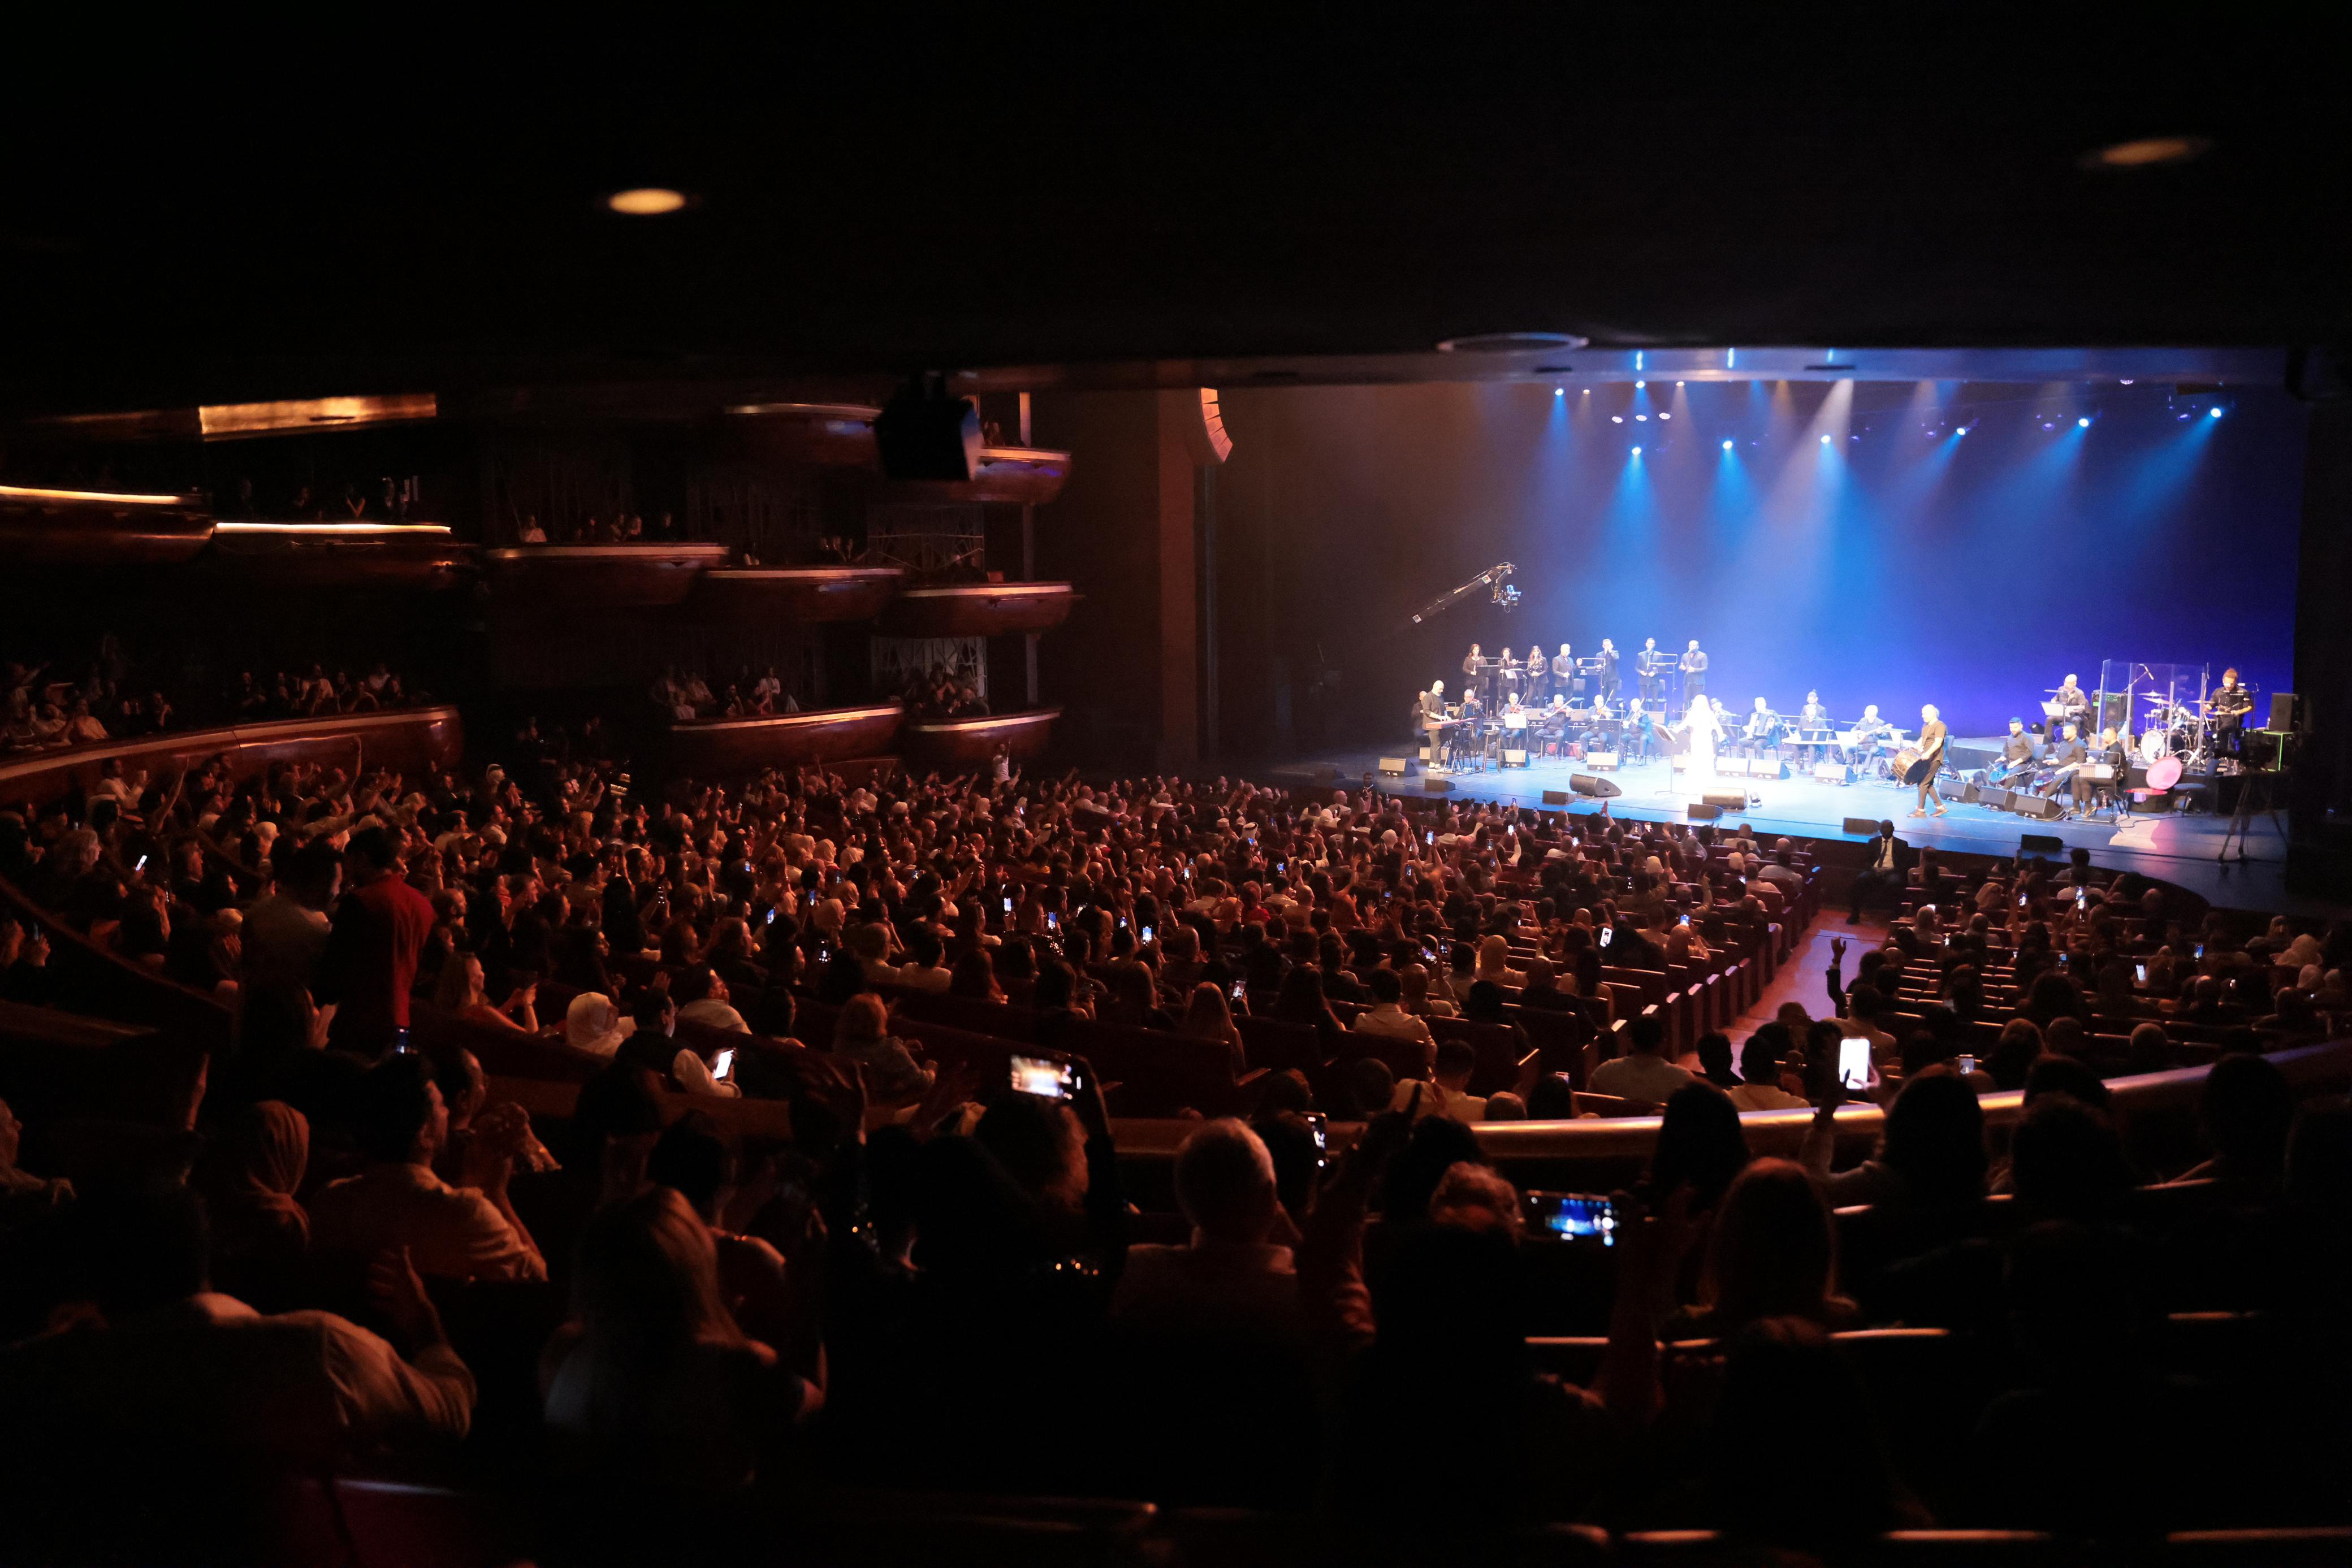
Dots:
(2282, 711)
(1727, 800)
(1600, 761)
(1437, 786)
(1832, 773)
(2044, 807)
(2040, 844)
(1514, 756)
(1702, 813)
(924, 434)
(1586, 784)
(1424, 754)
(1393, 766)
(1863, 826)
(1971, 794)
(1559, 796)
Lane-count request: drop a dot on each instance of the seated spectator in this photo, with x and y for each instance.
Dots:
(25, 1200)
(1386, 1016)
(1133, 999)
(862, 1034)
(1207, 1017)
(1931, 1155)
(1760, 1087)
(703, 999)
(652, 1378)
(592, 1024)
(1418, 1000)
(459, 993)
(1715, 1060)
(1446, 1093)
(466, 1232)
(1700, 1146)
(250, 1175)
(1643, 1074)
(1494, 965)
(975, 977)
(2245, 1111)
(1233, 1279)
(1771, 1253)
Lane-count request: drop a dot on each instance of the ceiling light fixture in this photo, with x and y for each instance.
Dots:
(646, 202)
(2147, 152)
(1511, 343)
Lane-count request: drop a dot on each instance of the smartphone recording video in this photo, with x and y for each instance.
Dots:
(2141, 969)
(1967, 1064)
(1147, 933)
(725, 1064)
(1573, 1216)
(1606, 933)
(1854, 1064)
(1319, 1125)
(1045, 1078)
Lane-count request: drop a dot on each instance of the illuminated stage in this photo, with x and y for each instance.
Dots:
(2179, 847)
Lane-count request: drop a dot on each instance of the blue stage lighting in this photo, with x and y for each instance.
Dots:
(2082, 423)
(1962, 431)
(1637, 451)
(1727, 446)
(1825, 441)
(1560, 392)
(2212, 413)
(1639, 385)
(1665, 416)
(1616, 419)
(1641, 419)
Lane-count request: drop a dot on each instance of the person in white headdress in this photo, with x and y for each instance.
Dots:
(1705, 730)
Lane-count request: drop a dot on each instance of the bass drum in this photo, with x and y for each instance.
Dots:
(2164, 773)
(2155, 746)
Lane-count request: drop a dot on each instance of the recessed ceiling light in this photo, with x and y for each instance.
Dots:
(2146, 151)
(646, 202)
(1510, 342)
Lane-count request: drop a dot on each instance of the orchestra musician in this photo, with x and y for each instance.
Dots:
(2066, 760)
(1641, 729)
(1932, 737)
(2016, 753)
(1812, 716)
(1871, 734)
(1563, 672)
(2074, 703)
(1693, 665)
(1536, 685)
(1608, 668)
(2086, 788)
(1474, 672)
(2230, 704)
(1508, 675)
(1650, 666)
(1761, 733)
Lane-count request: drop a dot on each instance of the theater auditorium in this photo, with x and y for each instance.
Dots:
(1543, 791)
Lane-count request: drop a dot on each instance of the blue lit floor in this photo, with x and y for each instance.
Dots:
(2179, 848)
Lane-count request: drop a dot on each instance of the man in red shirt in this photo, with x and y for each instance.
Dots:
(371, 961)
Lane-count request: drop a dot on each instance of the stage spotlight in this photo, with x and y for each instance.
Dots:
(1639, 385)
(1637, 451)
(1641, 419)
(1616, 419)
(2082, 423)
(1678, 384)
(1727, 446)
(1665, 416)
(1962, 431)
(2126, 382)
(1560, 392)
(646, 202)
(2212, 413)
(1825, 441)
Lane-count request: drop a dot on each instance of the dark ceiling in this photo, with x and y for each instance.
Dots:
(403, 213)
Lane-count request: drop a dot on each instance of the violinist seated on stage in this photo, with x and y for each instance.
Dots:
(1641, 729)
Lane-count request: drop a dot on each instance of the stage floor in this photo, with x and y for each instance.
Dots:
(2179, 847)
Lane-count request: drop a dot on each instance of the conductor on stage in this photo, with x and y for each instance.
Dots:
(1694, 668)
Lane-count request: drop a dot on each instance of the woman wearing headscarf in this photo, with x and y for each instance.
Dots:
(260, 1233)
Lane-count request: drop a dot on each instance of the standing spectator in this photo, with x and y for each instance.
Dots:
(369, 964)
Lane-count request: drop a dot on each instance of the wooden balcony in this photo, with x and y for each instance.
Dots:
(99, 528)
(978, 610)
(560, 580)
(966, 743)
(802, 594)
(1013, 475)
(415, 741)
(823, 435)
(732, 747)
(410, 556)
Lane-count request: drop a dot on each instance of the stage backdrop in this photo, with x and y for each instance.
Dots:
(1963, 544)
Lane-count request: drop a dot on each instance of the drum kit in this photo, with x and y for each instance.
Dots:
(2174, 737)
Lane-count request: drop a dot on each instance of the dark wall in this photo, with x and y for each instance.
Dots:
(1910, 565)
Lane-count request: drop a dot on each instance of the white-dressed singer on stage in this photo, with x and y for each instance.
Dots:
(1706, 732)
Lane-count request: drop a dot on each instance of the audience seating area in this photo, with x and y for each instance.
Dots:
(725, 1229)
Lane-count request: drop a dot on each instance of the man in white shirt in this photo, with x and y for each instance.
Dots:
(1234, 1278)
(702, 998)
(1447, 1091)
(1385, 1018)
(925, 972)
(1643, 1073)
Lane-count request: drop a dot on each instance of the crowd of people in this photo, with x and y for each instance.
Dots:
(915, 1277)
(45, 711)
(940, 693)
(683, 695)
